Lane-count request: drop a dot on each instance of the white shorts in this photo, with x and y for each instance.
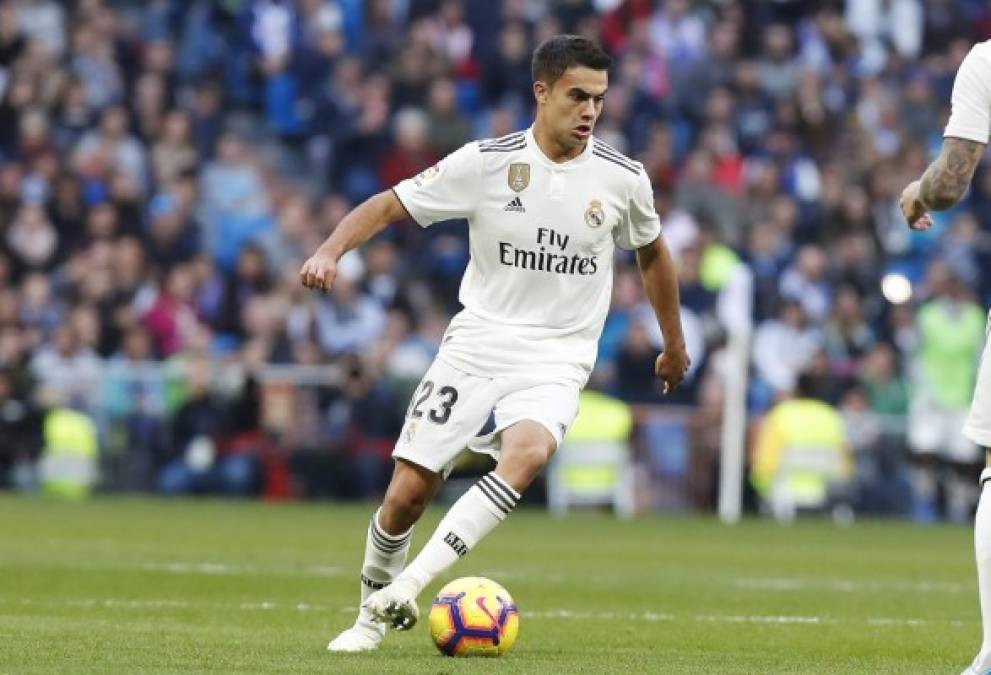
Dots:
(450, 408)
(978, 425)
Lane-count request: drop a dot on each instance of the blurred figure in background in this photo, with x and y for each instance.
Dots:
(801, 457)
(951, 336)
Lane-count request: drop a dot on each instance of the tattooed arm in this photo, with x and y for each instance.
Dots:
(946, 179)
(966, 136)
(943, 183)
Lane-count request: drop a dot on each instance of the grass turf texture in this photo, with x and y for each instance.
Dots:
(142, 585)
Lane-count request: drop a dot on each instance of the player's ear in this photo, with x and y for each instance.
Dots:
(540, 91)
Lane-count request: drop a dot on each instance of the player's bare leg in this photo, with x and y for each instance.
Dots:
(410, 491)
(982, 548)
(525, 448)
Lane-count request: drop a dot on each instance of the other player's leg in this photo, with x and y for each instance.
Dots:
(977, 428)
(387, 542)
(526, 447)
(982, 549)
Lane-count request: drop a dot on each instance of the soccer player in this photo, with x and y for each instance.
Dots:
(941, 186)
(545, 208)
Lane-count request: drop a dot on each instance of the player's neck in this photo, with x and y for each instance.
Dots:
(553, 150)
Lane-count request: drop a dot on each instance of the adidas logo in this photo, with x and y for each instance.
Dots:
(515, 205)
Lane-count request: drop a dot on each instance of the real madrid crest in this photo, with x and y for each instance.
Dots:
(519, 176)
(594, 215)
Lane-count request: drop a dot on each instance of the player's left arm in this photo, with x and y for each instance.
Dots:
(943, 184)
(660, 282)
(945, 181)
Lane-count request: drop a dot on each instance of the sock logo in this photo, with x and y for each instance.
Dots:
(454, 541)
(376, 585)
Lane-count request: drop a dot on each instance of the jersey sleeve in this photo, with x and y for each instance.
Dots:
(449, 189)
(970, 112)
(640, 224)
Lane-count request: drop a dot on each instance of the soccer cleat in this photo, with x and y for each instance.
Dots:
(981, 665)
(361, 637)
(394, 605)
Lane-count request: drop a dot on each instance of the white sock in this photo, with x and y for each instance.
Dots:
(480, 509)
(385, 555)
(982, 547)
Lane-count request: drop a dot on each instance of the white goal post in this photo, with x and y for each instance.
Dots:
(734, 309)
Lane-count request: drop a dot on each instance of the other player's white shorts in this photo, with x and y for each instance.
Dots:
(450, 408)
(978, 425)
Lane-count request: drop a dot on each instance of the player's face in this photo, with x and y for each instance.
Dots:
(572, 105)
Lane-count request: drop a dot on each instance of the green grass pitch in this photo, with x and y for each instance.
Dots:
(132, 585)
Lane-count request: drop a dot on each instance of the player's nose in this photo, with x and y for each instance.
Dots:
(588, 111)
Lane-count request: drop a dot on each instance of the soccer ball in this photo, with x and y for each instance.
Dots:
(473, 616)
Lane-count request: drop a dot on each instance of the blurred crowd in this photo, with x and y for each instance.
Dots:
(166, 166)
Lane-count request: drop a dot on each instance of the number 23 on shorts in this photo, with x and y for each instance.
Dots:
(442, 403)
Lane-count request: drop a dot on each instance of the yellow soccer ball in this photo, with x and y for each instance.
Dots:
(474, 616)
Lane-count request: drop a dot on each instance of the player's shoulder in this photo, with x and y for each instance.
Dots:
(508, 144)
(982, 51)
(498, 153)
(614, 163)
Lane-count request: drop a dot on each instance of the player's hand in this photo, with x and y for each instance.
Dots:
(672, 366)
(915, 213)
(319, 271)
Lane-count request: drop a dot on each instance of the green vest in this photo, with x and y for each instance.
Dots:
(69, 462)
(951, 335)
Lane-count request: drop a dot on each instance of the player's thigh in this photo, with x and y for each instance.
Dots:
(448, 408)
(552, 407)
(978, 425)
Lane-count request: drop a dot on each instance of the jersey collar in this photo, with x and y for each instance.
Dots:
(531, 143)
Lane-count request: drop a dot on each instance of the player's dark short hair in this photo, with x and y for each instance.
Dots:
(561, 52)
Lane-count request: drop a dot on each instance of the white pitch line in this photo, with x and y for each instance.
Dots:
(562, 614)
(120, 603)
(844, 586)
(207, 568)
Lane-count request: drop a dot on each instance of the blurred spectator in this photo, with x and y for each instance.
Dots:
(951, 337)
(783, 347)
(448, 128)
(847, 336)
(20, 433)
(801, 457)
(410, 154)
(348, 320)
(197, 462)
(66, 371)
(806, 282)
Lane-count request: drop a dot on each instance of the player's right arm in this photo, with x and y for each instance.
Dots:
(945, 180)
(361, 224)
(448, 189)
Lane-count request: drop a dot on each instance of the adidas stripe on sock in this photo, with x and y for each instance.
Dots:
(498, 493)
(383, 541)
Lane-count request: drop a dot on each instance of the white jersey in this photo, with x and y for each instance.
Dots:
(970, 113)
(538, 283)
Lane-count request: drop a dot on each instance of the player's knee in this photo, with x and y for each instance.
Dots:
(531, 456)
(403, 507)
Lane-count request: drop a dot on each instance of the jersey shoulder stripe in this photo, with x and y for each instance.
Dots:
(629, 167)
(509, 139)
(606, 152)
(503, 148)
(602, 145)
